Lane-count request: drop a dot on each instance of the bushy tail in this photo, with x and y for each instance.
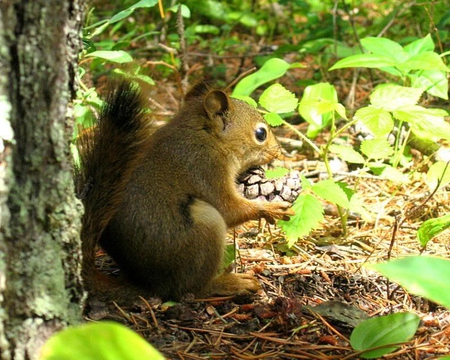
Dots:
(108, 157)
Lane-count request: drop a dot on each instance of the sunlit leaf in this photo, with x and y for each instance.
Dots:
(98, 341)
(436, 173)
(276, 98)
(271, 70)
(365, 61)
(382, 331)
(378, 121)
(347, 153)
(332, 192)
(384, 47)
(420, 46)
(376, 149)
(434, 82)
(127, 12)
(276, 173)
(394, 175)
(308, 215)
(118, 56)
(391, 97)
(425, 61)
(273, 119)
(310, 103)
(425, 123)
(420, 275)
(431, 228)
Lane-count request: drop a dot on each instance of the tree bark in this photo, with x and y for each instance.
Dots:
(40, 259)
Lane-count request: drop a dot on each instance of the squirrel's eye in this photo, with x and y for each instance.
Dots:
(261, 134)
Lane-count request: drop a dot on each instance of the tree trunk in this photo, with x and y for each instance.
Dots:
(40, 259)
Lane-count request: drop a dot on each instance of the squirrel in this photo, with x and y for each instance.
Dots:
(159, 202)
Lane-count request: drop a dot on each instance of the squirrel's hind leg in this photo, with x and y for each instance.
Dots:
(208, 221)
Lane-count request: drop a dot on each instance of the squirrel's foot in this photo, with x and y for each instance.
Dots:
(277, 210)
(234, 284)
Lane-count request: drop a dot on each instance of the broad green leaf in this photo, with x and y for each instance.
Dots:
(394, 175)
(436, 174)
(365, 61)
(118, 56)
(276, 173)
(185, 11)
(127, 12)
(384, 47)
(434, 82)
(376, 149)
(421, 275)
(425, 123)
(378, 121)
(382, 331)
(273, 119)
(98, 341)
(347, 153)
(306, 184)
(431, 228)
(332, 192)
(276, 98)
(425, 61)
(308, 215)
(307, 108)
(390, 97)
(207, 29)
(420, 46)
(271, 70)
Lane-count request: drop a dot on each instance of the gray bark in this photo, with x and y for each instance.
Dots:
(40, 259)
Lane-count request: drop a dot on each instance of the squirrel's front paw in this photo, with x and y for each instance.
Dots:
(277, 210)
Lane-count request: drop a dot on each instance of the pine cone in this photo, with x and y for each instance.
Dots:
(253, 184)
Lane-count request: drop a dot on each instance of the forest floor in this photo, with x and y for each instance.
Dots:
(314, 293)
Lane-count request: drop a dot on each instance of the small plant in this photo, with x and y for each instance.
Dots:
(416, 64)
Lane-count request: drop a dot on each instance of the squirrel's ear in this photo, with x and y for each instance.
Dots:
(198, 90)
(216, 102)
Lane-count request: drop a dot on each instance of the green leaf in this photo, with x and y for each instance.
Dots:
(347, 153)
(273, 119)
(118, 56)
(394, 175)
(185, 11)
(436, 174)
(276, 173)
(271, 70)
(364, 61)
(434, 82)
(420, 275)
(98, 341)
(306, 184)
(376, 149)
(332, 192)
(276, 98)
(309, 107)
(384, 47)
(308, 215)
(425, 123)
(378, 121)
(127, 12)
(425, 61)
(431, 228)
(420, 46)
(390, 97)
(382, 331)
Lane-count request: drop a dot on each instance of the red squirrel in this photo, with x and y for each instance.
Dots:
(159, 202)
